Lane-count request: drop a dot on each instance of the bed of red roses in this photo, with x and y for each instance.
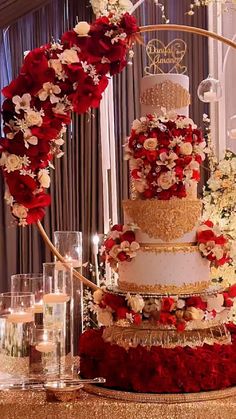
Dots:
(55, 79)
(159, 370)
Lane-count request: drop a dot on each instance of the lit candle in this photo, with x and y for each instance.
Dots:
(45, 347)
(95, 253)
(38, 307)
(56, 298)
(20, 317)
(210, 96)
(232, 134)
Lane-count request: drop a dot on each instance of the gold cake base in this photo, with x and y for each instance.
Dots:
(159, 398)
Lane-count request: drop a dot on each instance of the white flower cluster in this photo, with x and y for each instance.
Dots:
(103, 7)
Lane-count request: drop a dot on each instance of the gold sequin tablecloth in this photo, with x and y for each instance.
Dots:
(32, 404)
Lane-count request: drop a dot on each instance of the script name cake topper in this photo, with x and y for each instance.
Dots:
(166, 58)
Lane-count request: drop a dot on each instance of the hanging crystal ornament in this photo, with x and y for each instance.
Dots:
(226, 5)
(232, 128)
(209, 90)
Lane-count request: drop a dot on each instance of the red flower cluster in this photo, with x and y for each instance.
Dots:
(120, 245)
(156, 369)
(119, 308)
(54, 80)
(165, 156)
(213, 244)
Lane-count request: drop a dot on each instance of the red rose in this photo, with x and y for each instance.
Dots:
(196, 302)
(180, 326)
(122, 256)
(167, 318)
(209, 223)
(21, 187)
(137, 319)
(167, 304)
(109, 243)
(232, 291)
(121, 312)
(34, 215)
(117, 227)
(129, 24)
(128, 236)
(114, 301)
(205, 236)
(228, 302)
(221, 240)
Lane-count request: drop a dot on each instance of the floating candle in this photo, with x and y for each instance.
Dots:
(38, 307)
(20, 317)
(56, 298)
(45, 347)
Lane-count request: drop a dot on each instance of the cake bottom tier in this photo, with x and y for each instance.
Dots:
(157, 369)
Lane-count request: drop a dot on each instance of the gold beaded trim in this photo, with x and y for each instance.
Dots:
(166, 94)
(196, 287)
(173, 248)
(133, 336)
(165, 220)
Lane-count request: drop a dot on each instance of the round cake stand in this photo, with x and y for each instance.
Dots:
(159, 398)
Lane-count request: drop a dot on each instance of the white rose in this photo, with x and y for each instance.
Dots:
(166, 180)
(180, 303)
(186, 149)
(19, 211)
(150, 143)
(69, 56)
(214, 184)
(97, 296)
(104, 317)
(136, 302)
(13, 162)
(33, 118)
(139, 125)
(98, 6)
(82, 28)
(218, 252)
(125, 4)
(215, 302)
(44, 178)
(140, 185)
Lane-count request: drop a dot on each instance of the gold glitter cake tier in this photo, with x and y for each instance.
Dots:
(197, 287)
(133, 336)
(170, 248)
(166, 94)
(165, 220)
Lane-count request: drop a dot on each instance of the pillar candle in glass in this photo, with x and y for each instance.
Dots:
(45, 352)
(32, 283)
(16, 319)
(57, 303)
(69, 245)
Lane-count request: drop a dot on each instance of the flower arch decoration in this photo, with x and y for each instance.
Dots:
(54, 80)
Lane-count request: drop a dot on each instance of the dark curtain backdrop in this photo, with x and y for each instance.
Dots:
(76, 187)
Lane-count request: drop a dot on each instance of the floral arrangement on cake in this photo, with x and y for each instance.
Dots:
(165, 153)
(119, 245)
(171, 311)
(54, 80)
(213, 244)
(103, 7)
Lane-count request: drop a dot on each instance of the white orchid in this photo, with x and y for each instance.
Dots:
(49, 90)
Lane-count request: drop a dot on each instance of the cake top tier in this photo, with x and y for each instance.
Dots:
(169, 91)
(165, 153)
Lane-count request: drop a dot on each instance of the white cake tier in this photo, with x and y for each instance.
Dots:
(181, 271)
(168, 260)
(170, 91)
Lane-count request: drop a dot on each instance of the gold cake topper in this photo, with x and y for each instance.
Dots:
(163, 56)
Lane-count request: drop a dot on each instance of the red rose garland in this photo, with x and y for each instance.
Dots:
(54, 80)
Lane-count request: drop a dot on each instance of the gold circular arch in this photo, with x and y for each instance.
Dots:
(143, 29)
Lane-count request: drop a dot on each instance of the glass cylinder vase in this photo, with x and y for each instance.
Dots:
(58, 306)
(69, 245)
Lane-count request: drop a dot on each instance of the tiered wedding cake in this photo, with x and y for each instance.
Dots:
(164, 324)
